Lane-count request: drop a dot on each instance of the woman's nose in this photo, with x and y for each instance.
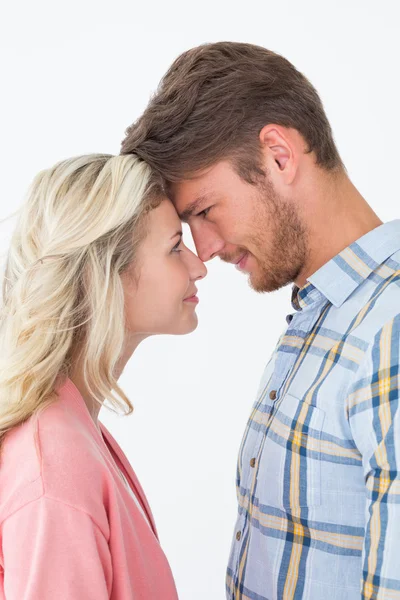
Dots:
(197, 269)
(200, 269)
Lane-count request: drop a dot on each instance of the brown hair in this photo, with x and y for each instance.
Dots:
(213, 102)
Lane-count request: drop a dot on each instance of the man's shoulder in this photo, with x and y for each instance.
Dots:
(381, 304)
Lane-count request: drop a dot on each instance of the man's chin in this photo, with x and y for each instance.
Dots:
(263, 284)
(259, 287)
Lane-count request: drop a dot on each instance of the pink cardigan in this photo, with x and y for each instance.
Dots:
(69, 527)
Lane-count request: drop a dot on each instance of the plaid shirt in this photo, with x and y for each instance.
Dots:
(318, 482)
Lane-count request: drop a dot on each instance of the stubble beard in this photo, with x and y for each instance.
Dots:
(280, 238)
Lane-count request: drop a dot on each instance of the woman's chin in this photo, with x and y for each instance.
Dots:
(188, 326)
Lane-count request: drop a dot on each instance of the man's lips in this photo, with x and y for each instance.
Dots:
(230, 259)
(241, 263)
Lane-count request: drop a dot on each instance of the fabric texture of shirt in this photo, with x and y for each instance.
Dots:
(69, 527)
(318, 481)
(134, 496)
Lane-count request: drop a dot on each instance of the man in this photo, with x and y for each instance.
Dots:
(246, 152)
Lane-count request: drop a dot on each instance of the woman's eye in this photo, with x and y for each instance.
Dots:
(176, 248)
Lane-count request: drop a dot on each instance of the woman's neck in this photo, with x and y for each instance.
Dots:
(78, 379)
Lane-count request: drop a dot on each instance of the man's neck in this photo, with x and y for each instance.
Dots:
(338, 216)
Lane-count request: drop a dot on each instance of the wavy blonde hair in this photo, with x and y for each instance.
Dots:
(77, 231)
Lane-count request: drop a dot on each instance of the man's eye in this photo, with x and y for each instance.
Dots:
(204, 212)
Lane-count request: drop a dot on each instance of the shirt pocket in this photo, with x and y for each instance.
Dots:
(289, 473)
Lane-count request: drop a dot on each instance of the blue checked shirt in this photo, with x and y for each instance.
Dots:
(318, 480)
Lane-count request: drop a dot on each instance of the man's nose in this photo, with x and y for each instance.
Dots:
(208, 245)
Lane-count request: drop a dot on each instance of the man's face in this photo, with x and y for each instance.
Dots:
(250, 226)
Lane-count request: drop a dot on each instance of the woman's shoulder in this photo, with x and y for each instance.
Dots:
(55, 454)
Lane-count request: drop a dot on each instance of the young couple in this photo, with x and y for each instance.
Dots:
(236, 143)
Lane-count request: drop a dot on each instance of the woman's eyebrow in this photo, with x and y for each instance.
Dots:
(177, 233)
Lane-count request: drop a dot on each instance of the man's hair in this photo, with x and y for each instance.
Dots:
(213, 102)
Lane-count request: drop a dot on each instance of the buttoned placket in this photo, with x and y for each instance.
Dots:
(302, 320)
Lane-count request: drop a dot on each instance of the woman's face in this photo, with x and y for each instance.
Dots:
(159, 288)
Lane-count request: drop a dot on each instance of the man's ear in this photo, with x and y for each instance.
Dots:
(281, 147)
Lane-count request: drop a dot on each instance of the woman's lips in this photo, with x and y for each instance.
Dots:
(192, 298)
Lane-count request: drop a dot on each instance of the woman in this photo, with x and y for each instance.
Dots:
(96, 265)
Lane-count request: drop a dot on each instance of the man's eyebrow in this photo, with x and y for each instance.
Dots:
(192, 208)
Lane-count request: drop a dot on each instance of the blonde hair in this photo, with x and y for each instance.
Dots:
(78, 230)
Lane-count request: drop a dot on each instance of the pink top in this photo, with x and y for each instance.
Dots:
(70, 529)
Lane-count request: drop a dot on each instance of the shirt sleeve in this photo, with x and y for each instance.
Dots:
(374, 417)
(53, 550)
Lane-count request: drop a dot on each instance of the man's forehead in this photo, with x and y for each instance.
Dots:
(187, 190)
(194, 185)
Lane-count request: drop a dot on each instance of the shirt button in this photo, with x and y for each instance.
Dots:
(253, 462)
(238, 535)
(272, 394)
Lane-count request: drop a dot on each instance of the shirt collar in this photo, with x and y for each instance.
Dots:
(344, 273)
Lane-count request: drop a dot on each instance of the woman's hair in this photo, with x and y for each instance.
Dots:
(212, 104)
(78, 230)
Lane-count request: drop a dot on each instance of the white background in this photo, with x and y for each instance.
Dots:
(73, 77)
